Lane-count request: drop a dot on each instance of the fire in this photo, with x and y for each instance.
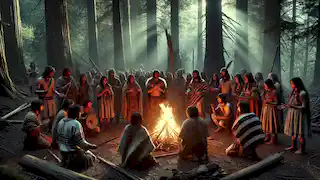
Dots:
(166, 129)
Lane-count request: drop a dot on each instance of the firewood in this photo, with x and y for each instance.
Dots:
(166, 155)
(50, 170)
(257, 168)
(54, 156)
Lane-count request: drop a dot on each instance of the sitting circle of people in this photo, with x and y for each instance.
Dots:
(248, 107)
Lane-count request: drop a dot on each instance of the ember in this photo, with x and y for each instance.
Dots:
(166, 131)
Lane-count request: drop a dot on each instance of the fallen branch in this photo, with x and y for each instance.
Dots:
(256, 168)
(107, 141)
(50, 170)
(118, 169)
(166, 155)
(54, 156)
(7, 150)
(15, 121)
(18, 109)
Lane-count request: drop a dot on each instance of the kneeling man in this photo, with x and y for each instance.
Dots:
(247, 132)
(136, 145)
(194, 133)
(222, 115)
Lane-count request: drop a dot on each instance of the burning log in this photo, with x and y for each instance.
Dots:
(50, 170)
(257, 168)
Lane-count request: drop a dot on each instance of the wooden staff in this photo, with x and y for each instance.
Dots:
(18, 109)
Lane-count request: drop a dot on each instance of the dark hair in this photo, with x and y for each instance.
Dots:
(86, 103)
(136, 119)
(258, 76)
(101, 81)
(80, 79)
(223, 97)
(274, 78)
(269, 84)
(240, 79)
(67, 103)
(47, 71)
(36, 105)
(250, 77)
(154, 72)
(244, 106)
(65, 71)
(128, 79)
(192, 112)
(74, 111)
(298, 83)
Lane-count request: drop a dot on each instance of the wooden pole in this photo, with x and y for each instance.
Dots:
(258, 168)
(54, 156)
(50, 170)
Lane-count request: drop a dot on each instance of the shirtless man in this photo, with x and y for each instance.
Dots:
(222, 115)
(156, 87)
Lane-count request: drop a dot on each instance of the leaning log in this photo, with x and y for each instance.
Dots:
(257, 168)
(50, 170)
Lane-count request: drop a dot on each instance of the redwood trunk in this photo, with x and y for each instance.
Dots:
(200, 36)
(10, 13)
(175, 33)
(119, 63)
(241, 51)
(58, 37)
(271, 38)
(92, 31)
(317, 62)
(152, 37)
(126, 31)
(214, 59)
(293, 39)
(135, 9)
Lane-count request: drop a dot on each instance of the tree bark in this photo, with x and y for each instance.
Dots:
(200, 36)
(58, 35)
(316, 72)
(306, 56)
(126, 31)
(241, 51)
(271, 38)
(214, 59)
(92, 31)
(135, 9)
(119, 62)
(175, 33)
(10, 13)
(293, 39)
(152, 36)
(6, 86)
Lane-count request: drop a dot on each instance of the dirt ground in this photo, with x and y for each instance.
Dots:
(294, 167)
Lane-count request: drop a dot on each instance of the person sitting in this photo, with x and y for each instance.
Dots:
(194, 133)
(87, 112)
(34, 139)
(136, 145)
(222, 115)
(72, 143)
(63, 113)
(248, 133)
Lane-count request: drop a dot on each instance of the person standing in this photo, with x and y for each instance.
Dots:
(68, 86)
(116, 85)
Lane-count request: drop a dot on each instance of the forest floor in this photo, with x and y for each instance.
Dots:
(294, 167)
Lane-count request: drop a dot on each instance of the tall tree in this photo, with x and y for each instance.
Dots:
(316, 72)
(271, 38)
(306, 55)
(126, 30)
(175, 33)
(152, 36)
(10, 13)
(200, 36)
(6, 86)
(92, 31)
(293, 39)
(214, 59)
(135, 9)
(241, 51)
(57, 34)
(119, 62)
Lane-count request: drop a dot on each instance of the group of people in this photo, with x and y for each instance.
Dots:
(234, 105)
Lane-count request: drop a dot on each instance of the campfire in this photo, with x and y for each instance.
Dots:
(166, 131)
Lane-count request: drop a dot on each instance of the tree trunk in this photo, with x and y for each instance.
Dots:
(175, 33)
(135, 9)
(200, 37)
(152, 36)
(10, 13)
(6, 85)
(119, 63)
(271, 38)
(126, 31)
(316, 72)
(58, 37)
(293, 39)
(306, 57)
(241, 51)
(92, 31)
(214, 59)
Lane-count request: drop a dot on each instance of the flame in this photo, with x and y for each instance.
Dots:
(166, 128)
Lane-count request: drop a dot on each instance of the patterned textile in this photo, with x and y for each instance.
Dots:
(49, 104)
(247, 129)
(269, 114)
(196, 87)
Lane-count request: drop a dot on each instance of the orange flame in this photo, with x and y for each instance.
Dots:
(166, 129)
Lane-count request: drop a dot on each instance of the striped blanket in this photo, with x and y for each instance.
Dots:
(247, 129)
(197, 87)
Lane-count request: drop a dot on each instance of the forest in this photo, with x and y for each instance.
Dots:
(281, 36)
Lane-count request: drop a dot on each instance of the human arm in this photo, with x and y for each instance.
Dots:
(80, 138)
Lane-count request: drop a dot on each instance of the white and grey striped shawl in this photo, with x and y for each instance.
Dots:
(247, 128)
